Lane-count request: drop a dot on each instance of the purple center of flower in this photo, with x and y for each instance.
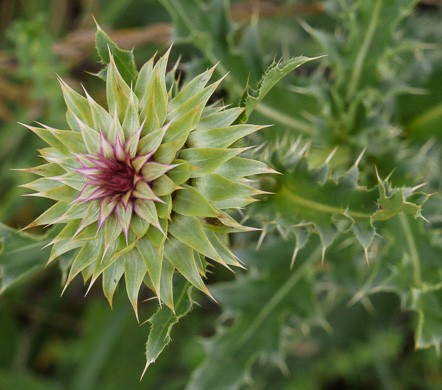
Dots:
(117, 177)
(121, 180)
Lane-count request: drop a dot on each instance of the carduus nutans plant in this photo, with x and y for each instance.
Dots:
(144, 187)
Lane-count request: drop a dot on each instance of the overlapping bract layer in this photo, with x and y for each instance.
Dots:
(143, 188)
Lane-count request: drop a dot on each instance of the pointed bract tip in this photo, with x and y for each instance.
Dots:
(295, 253)
(90, 285)
(323, 255)
(207, 292)
(419, 186)
(261, 239)
(366, 256)
(32, 224)
(135, 307)
(425, 219)
(271, 170)
(65, 286)
(148, 363)
(318, 57)
(390, 174)
(331, 155)
(96, 23)
(358, 160)
(377, 174)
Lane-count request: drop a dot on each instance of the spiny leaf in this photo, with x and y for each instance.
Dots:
(163, 321)
(270, 78)
(124, 59)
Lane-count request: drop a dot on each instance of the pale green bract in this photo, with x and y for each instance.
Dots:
(144, 187)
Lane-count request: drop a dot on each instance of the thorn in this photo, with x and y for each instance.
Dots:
(96, 23)
(150, 299)
(323, 256)
(305, 149)
(136, 312)
(366, 256)
(261, 239)
(389, 175)
(377, 174)
(90, 286)
(207, 292)
(425, 219)
(296, 144)
(65, 287)
(330, 156)
(282, 232)
(419, 186)
(358, 160)
(148, 363)
(244, 219)
(327, 327)
(378, 235)
(368, 305)
(356, 298)
(295, 252)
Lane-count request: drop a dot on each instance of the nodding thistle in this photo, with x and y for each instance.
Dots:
(144, 187)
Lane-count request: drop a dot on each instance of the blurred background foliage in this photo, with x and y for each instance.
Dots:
(341, 325)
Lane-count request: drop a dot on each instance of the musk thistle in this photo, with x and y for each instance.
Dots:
(144, 187)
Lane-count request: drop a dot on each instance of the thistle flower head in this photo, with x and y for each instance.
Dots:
(144, 187)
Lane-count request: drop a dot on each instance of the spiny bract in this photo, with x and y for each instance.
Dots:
(143, 187)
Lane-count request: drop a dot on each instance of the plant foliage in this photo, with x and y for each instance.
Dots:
(341, 286)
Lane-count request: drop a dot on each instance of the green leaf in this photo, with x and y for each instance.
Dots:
(427, 301)
(270, 78)
(90, 253)
(111, 277)
(124, 59)
(153, 260)
(312, 197)
(191, 203)
(118, 92)
(192, 88)
(153, 105)
(259, 305)
(147, 211)
(190, 232)
(134, 270)
(221, 137)
(207, 159)
(215, 187)
(220, 119)
(181, 256)
(77, 104)
(21, 256)
(237, 168)
(181, 173)
(163, 321)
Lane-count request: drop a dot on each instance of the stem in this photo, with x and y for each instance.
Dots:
(277, 298)
(325, 208)
(284, 119)
(357, 70)
(413, 253)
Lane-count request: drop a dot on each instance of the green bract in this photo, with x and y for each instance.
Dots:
(144, 187)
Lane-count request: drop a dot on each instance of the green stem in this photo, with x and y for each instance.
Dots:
(425, 119)
(324, 208)
(278, 297)
(284, 119)
(357, 70)
(413, 252)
